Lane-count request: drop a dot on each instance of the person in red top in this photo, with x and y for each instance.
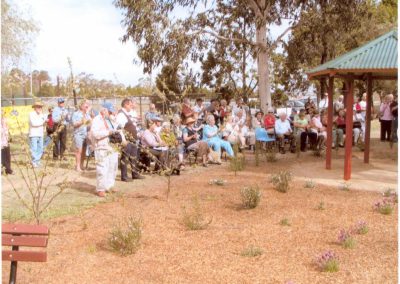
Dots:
(269, 121)
(339, 128)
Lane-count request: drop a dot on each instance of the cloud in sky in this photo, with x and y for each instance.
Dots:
(89, 33)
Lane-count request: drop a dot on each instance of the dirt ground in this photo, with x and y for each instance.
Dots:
(78, 253)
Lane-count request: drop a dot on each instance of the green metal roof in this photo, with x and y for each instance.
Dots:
(380, 53)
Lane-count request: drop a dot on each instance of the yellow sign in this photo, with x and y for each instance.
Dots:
(17, 118)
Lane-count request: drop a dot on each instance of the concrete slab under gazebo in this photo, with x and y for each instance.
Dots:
(376, 60)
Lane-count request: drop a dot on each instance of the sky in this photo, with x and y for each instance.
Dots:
(87, 31)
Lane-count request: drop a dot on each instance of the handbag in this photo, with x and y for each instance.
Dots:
(115, 137)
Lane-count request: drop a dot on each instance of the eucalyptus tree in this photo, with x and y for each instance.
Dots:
(17, 34)
(329, 28)
(176, 31)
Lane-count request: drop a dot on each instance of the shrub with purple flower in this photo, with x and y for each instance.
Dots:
(361, 228)
(328, 262)
(346, 239)
(385, 206)
(391, 194)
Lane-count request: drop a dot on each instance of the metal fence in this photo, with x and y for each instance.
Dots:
(143, 103)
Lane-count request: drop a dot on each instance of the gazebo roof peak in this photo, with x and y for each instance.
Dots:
(376, 56)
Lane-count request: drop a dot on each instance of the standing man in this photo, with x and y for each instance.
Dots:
(80, 121)
(199, 108)
(393, 108)
(60, 119)
(386, 118)
(130, 153)
(37, 120)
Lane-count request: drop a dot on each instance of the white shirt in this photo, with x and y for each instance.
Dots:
(282, 127)
(323, 103)
(36, 124)
(100, 132)
(122, 119)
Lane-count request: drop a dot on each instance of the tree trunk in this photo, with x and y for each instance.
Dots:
(264, 91)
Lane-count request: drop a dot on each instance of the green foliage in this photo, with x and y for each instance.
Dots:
(237, 162)
(252, 251)
(270, 155)
(126, 240)
(285, 222)
(281, 181)
(193, 219)
(309, 184)
(321, 206)
(331, 266)
(251, 197)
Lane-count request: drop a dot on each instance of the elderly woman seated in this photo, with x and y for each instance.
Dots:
(154, 146)
(210, 135)
(192, 141)
(235, 133)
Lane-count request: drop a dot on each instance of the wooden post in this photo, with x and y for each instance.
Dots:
(349, 127)
(368, 119)
(330, 122)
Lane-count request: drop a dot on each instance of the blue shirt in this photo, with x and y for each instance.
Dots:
(208, 129)
(77, 117)
(59, 113)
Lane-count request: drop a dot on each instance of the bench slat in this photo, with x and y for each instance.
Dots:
(9, 240)
(24, 229)
(32, 256)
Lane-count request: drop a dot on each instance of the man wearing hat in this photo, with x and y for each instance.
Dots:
(60, 119)
(37, 120)
(106, 157)
(130, 153)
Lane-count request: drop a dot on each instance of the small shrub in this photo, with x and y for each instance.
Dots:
(91, 249)
(346, 239)
(321, 206)
(270, 155)
(285, 222)
(251, 197)
(252, 251)
(361, 228)
(219, 182)
(328, 262)
(309, 184)
(385, 206)
(281, 181)
(392, 194)
(126, 241)
(194, 219)
(236, 163)
(344, 186)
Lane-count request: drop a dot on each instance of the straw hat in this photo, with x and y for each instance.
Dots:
(37, 104)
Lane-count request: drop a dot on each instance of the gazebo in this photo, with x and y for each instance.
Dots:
(376, 60)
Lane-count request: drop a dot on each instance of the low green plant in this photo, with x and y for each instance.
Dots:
(252, 251)
(281, 181)
(346, 239)
(344, 186)
(328, 262)
(91, 249)
(385, 206)
(309, 184)
(194, 218)
(361, 228)
(237, 162)
(218, 181)
(251, 197)
(392, 194)
(270, 155)
(285, 222)
(125, 238)
(321, 206)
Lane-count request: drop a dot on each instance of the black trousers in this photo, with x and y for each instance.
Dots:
(386, 129)
(6, 159)
(129, 159)
(60, 141)
(312, 138)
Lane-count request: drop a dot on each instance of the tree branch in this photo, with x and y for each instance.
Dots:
(230, 39)
(256, 9)
(280, 37)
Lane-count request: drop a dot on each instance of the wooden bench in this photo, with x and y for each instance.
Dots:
(16, 236)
